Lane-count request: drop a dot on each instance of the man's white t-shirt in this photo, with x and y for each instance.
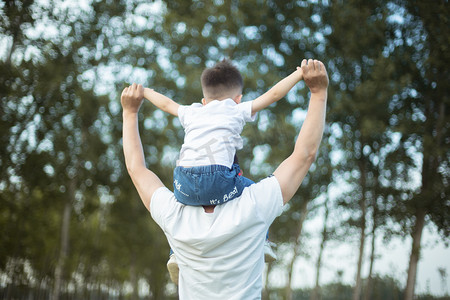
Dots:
(220, 254)
(212, 132)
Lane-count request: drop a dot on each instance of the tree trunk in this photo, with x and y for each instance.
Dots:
(64, 247)
(430, 165)
(415, 254)
(362, 203)
(357, 289)
(266, 291)
(315, 295)
(288, 289)
(368, 289)
(134, 277)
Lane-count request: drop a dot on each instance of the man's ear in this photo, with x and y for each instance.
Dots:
(238, 99)
(203, 101)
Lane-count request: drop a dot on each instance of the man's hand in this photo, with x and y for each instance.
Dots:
(315, 75)
(293, 169)
(145, 181)
(132, 98)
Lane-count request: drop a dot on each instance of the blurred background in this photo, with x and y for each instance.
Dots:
(370, 221)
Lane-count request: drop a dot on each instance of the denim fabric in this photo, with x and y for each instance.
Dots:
(208, 185)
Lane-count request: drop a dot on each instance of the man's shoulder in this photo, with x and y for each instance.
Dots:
(162, 201)
(162, 193)
(268, 183)
(266, 195)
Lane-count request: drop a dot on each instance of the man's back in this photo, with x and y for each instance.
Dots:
(220, 254)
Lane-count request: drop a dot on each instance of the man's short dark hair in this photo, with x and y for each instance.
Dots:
(221, 81)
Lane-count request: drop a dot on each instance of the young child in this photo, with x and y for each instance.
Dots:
(206, 173)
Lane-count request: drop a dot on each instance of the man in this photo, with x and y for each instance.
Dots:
(219, 249)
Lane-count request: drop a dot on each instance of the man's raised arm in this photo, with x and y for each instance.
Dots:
(145, 181)
(292, 170)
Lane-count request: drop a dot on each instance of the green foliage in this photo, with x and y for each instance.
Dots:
(63, 67)
(422, 108)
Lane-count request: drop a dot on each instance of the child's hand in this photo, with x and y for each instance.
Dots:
(300, 71)
(315, 75)
(132, 97)
(147, 90)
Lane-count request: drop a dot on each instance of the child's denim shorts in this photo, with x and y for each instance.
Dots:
(208, 185)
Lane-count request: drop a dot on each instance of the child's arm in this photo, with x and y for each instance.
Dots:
(162, 102)
(278, 91)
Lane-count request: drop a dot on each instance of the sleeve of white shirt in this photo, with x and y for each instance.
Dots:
(246, 110)
(181, 114)
(268, 198)
(162, 205)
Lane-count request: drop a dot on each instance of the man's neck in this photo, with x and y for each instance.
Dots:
(209, 209)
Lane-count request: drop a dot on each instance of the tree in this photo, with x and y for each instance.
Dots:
(419, 115)
(325, 235)
(56, 145)
(359, 110)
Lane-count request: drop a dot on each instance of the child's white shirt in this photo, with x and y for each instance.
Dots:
(212, 132)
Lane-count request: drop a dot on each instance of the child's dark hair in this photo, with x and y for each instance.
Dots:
(221, 81)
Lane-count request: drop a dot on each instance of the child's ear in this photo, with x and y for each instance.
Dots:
(203, 101)
(238, 99)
